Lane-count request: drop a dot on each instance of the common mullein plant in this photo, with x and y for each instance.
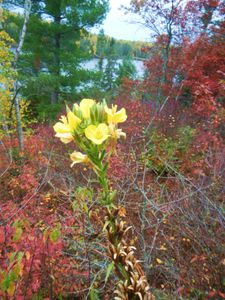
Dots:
(93, 127)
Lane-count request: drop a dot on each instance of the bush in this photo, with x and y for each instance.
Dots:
(163, 151)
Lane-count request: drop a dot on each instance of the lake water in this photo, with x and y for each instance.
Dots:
(93, 65)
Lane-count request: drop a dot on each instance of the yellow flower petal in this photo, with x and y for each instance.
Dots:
(163, 248)
(159, 261)
(73, 121)
(65, 137)
(78, 157)
(61, 128)
(85, 106)
(115, 116)
(63, 119)
(97, 134)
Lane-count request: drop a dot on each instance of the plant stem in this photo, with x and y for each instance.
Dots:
(133, 284)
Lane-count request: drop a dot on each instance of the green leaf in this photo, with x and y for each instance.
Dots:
(55, 234)
(67, 109)
(84, 207)
(18, 233)
(105, 167)
(12, 256)
(94, 294)
(102, 155)
(113, 195)
(109, 270)
(74, 205)
(20, 256)
(123, 271)
(14, 274)
(6, 282)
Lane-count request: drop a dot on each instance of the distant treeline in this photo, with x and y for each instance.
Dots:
(101, 45)
(89, 44)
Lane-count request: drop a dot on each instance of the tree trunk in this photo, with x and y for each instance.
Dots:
(6, 130)
(27, 8)
(54, 97)
(56, 69)
(19, 126)
(165, 54)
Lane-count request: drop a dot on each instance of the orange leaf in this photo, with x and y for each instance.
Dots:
(27, 254)
(11, 289)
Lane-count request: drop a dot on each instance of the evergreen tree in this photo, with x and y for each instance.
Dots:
(110, 69)
(52, 50)
(126, 69)
(101, 43)
(100, 48)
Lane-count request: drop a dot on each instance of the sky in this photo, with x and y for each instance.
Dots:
(121, 26)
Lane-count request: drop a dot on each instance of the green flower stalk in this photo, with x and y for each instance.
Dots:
(93, 127)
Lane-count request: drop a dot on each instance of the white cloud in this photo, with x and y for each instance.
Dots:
(121, 26)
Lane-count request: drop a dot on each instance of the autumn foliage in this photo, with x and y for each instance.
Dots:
(168, 174)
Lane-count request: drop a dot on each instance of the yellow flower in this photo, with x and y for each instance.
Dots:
(159, 261)
(85, 106)
(97, 134)
(163, 248)
(116, 133)
(78, 157)
(64, 129)
(115, 116)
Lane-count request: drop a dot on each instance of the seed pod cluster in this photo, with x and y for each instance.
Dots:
(133, 284)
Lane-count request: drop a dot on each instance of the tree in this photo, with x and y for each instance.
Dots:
(27, 9)
(171, 23)
(162, 18)
(110, 69)
(205, 78)
(9, 76)
(100, 48)
(126, 50)
(52, 54)
(7, 79)
(126, 70)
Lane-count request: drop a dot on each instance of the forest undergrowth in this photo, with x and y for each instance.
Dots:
(51, 225)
